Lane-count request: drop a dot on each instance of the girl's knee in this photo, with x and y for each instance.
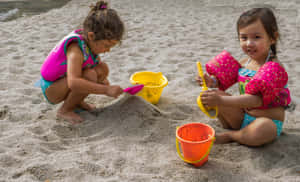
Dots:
(232, 117)
(102, 71)
(90, 74)
(262, 131)
(265, 125)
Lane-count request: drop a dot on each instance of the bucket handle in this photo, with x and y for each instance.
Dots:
(206, 110)
(193, 162)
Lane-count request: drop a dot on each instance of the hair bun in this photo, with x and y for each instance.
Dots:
(100, 5)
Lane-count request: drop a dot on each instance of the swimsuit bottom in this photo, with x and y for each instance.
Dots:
(249, 119)
(44, 84)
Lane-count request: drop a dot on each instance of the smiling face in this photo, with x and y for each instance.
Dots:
(255, 41)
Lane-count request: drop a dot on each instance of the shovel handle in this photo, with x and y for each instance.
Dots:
(200, 72)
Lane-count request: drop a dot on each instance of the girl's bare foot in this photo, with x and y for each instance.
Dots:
(86, 106)
(69, 116)
(223, 138)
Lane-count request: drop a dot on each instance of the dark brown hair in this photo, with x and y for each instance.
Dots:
(104, 22)
(267, 18)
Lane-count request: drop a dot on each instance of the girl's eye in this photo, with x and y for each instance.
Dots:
(257, 37)
(243, 38)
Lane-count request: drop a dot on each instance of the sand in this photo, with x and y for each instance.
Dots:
(127, 139)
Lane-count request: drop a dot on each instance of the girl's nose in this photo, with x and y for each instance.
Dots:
(250, 43)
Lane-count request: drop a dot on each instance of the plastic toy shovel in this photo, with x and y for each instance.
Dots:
(134, 89)
(211, 112)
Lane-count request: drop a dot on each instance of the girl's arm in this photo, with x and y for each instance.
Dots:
(74, 75)
(241, 101)
(252, 101)
(246, 101)
(216, 97)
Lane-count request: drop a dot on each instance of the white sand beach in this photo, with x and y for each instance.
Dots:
(127, 139)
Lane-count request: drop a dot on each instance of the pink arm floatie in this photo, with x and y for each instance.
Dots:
(269, 82)
(225, 68)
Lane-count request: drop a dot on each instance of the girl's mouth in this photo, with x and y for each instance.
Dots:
(251, 51)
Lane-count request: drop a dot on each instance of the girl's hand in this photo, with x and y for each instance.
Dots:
(105, 82)
(211, 98)
(209, 80)
(114, 91)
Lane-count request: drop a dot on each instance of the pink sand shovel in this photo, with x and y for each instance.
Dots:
(134, 89)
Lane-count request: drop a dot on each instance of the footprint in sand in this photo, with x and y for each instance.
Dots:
(96, 170)
(53, 146)
(9, 161)
(3, 112)
(19, 64)
(37, 130)
(119, 162)
(65, 131)
(15, 70)
(144, 50)
(27, 91)
(40, 172)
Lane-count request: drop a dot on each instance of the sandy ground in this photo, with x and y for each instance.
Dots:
(128, 139)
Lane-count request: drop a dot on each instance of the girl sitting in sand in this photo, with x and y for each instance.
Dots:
(256, 116)
(73, 69)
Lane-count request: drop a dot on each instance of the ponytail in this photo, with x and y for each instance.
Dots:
(100, 6)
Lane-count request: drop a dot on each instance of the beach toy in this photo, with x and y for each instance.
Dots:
(225, 68)
(134, 89)
(211, 112)
(269, 82)
(153, 84)
(196, 141)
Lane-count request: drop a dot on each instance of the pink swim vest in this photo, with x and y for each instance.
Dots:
(269, 81)
(55, 65)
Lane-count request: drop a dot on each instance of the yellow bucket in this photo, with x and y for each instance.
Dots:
(153, 84)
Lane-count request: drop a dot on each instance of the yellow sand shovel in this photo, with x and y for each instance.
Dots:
(211, 112)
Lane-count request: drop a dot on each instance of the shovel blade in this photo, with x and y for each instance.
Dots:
(134, 89)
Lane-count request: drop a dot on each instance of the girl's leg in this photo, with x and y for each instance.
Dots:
(223, 122)
(230, 117)
(260, 131)
(102, 73)
(59, 91)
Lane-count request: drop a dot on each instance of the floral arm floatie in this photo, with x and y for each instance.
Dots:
(225, 68)
(269, 82)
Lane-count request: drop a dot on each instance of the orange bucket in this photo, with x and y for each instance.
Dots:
(196, 140)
